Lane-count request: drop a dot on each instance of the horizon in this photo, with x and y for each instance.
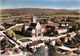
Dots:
(41, 4)
(41, 8)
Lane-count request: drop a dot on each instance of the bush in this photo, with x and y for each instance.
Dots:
(10, 33)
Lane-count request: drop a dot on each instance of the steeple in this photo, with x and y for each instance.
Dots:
(34, 19)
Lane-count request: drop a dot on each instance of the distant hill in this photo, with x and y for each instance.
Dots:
(36, 11)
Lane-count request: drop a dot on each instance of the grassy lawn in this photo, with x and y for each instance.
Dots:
(18, 36)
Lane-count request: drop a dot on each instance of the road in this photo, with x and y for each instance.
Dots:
(12, 27)
(41, 37)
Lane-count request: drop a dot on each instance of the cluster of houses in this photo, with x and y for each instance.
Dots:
(64, 44)
(37, 29)
(35, 26)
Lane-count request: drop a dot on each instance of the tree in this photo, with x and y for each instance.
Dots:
(23, 29)
(10, 33)
(78, 26)
(75, 26)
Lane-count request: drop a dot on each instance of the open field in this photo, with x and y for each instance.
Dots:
(8, 15)
(32, 11)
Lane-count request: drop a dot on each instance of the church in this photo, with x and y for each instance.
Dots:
(32, 29)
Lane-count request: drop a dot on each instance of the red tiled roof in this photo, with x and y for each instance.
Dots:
(54, 24)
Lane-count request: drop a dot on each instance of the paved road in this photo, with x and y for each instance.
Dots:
(12, 27)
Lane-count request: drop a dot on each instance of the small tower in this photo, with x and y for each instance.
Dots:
(34, 19)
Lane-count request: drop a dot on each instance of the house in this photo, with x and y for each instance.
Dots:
(65, 23)
(2, 27)
(28, 29)
(62, 30)
(50, 29)
(55, 25)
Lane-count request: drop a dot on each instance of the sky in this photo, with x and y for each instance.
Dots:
(50, 4)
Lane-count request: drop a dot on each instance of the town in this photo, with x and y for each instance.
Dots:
(38, 35)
